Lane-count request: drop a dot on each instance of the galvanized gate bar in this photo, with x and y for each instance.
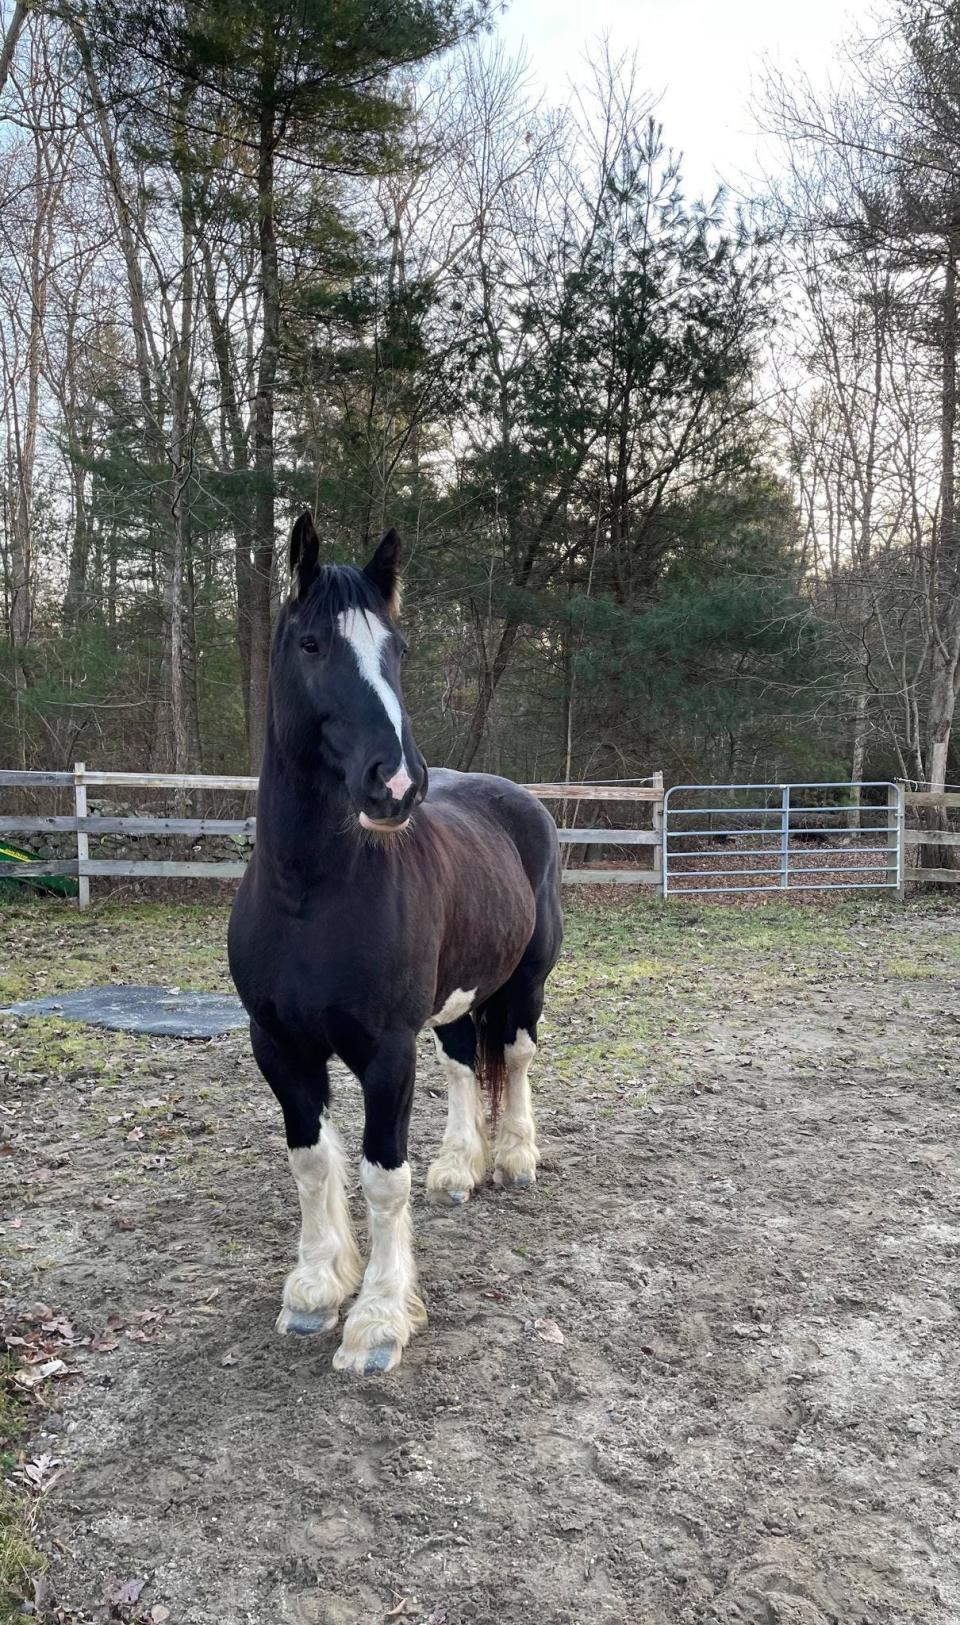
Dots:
(790, 867)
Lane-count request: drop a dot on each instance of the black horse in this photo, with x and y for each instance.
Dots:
(379, 902)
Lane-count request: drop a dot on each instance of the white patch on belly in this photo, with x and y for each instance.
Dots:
(366, 635)
(453, 1007)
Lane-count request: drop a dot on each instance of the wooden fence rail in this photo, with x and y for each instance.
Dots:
(83, 825)
(913, 838)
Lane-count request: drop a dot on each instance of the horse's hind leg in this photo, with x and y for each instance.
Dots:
(328, 1266)
(461, 1162)
(515, 1152)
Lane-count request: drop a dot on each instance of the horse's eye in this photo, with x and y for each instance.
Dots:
(310, 646)
(404, 648)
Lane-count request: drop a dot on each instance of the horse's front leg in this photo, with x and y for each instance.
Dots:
(328, 1266)
(389, 1308)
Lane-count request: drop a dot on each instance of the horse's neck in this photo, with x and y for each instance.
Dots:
(302, 817)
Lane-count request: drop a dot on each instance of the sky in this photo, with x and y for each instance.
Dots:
(704, 58)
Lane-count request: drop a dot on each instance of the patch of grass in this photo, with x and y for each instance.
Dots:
(70, 1052)
(19, 1559)
(50, 947)
(912, 970)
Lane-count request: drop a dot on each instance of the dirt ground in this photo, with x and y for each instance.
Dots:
(747, 1229)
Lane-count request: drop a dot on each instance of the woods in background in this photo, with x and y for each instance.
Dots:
(675, 482)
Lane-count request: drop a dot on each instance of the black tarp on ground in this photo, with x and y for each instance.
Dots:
(165, 1012)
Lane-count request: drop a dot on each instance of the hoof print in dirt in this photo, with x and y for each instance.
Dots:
(305, 1322)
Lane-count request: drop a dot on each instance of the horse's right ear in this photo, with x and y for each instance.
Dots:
(304, 553)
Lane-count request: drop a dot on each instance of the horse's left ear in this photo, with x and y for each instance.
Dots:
(304, 553)
(384, 570)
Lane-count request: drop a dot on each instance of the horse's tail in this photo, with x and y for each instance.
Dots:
(491, 1019)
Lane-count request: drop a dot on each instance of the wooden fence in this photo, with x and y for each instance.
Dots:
(572, 797)
(82, 826)
(916, 802)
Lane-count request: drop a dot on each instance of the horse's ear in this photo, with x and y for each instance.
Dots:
(384, 570)
(304, 553)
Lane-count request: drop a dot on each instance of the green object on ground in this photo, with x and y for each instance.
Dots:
(57, 885)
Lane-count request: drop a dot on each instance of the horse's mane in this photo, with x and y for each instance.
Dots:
(338, 587)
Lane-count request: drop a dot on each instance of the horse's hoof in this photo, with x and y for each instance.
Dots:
(513, 1182)
(382, 1358)
(305, 1322)
(440, 1196)
(368, 1362)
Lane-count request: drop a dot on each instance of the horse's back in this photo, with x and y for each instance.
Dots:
(508, 807)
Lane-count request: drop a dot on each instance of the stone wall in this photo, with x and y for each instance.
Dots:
(160, 848)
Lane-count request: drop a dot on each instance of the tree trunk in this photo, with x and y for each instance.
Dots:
(9, 45)
(174, 745)
(945, 592)
(236, 447)
(263, 429)
(857, 753)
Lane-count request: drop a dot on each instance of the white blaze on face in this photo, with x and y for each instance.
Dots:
(366, 635)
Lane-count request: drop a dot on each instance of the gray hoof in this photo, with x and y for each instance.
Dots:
(383, 1358)
(305, 1322)
(444, 1198)
(512, 1182)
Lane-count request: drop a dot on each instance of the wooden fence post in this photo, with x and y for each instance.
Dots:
(657, 811)
(896, 836)
(83, 840)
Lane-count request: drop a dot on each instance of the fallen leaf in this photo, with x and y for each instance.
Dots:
(61, 1327)
(548, 1330)
(31, 1376)
(42, 1473)
(399, 1608)
(137, 1134)
(122, 1593)
(230, 1358)
(159, 1615)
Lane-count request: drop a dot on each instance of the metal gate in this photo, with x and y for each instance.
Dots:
(782, 837)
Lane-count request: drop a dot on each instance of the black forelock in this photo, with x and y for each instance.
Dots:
(338, 587)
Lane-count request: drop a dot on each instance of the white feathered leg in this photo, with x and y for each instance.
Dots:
(329, 1266)
(461, 1163)
(389, 1309)
(515, 1155)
